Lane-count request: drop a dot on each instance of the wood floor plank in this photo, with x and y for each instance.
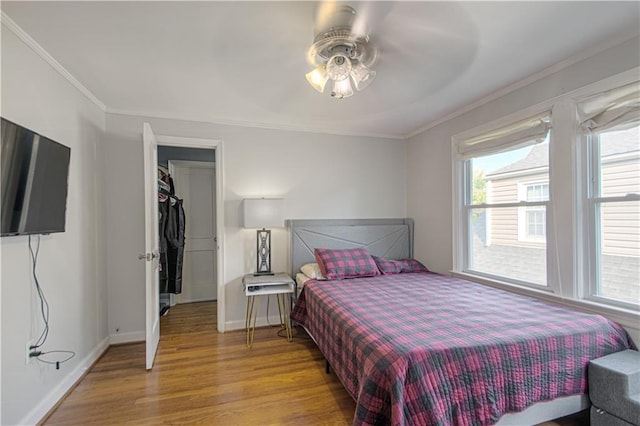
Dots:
(203, 377)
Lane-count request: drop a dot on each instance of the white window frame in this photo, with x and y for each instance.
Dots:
(592, 200)
(463, 199)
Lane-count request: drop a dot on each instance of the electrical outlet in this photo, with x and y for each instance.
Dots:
(27, 352)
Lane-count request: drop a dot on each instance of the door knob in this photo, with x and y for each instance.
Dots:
(148, 256)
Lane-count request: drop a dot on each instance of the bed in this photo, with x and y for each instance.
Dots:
(422, 348)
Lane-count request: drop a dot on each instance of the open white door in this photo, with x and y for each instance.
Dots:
(151, 245)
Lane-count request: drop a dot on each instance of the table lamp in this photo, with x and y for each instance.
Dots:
(263, 213)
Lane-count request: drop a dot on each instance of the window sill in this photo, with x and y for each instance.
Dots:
(624, 317)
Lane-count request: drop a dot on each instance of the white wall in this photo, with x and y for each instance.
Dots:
(319, 176)
(429, 174)
(69, 267)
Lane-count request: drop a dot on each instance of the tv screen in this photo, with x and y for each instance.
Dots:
(34, 172)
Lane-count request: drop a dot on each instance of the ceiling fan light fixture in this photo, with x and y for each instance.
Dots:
(339, 67)
(340, 54)
(342, 89)
(318, 77)
(362, 75)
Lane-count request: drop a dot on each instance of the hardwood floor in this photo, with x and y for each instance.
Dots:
(201, 376)
(204, 377)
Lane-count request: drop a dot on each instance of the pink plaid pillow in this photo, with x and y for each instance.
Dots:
(412, 265)
(346, 263)
(388, 266)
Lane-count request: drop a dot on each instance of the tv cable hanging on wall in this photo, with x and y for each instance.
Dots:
(34, 350)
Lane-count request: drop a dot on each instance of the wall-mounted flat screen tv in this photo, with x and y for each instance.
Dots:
(35, 173)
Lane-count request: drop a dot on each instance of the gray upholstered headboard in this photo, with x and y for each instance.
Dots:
(390, 238)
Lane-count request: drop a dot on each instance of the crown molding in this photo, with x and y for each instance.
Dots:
(249, 124)
(559, 66)
(40, 51)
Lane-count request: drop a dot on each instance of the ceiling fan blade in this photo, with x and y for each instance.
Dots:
(325, 16)
(368, 15)
(429, 40)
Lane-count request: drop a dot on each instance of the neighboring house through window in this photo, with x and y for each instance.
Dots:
(524, 180)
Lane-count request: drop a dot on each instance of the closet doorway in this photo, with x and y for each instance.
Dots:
(195, 166)
(195, 183)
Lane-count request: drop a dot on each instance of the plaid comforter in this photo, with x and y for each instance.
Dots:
(427, 349)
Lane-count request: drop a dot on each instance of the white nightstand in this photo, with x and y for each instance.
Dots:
(279, 284)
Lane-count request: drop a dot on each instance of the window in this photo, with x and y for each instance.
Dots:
(506, 196)
(553, 202)
(610, 123)
(614, 214)
(537, 192)
(535, 224)
(532, 221)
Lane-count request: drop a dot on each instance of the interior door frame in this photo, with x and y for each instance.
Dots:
(217, 146)
(172, 164)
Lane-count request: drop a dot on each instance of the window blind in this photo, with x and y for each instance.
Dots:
(516, 135)
(618, 108)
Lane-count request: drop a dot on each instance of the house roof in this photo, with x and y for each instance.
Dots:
(539, 155)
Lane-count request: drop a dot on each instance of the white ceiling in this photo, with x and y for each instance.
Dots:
(244, 62)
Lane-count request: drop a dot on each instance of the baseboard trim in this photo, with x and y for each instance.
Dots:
(46, 406)
(130, 337)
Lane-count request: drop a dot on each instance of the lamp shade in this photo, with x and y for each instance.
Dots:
(318, 77)
(362, 75)
(263, 213)
(342, 89)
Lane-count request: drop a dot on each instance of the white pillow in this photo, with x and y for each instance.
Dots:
(312, 270)
(301, 280)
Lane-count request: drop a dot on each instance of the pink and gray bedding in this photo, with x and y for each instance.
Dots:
(422, 348)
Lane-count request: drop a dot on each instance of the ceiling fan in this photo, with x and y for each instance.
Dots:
(341, 51)
(415, 48)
